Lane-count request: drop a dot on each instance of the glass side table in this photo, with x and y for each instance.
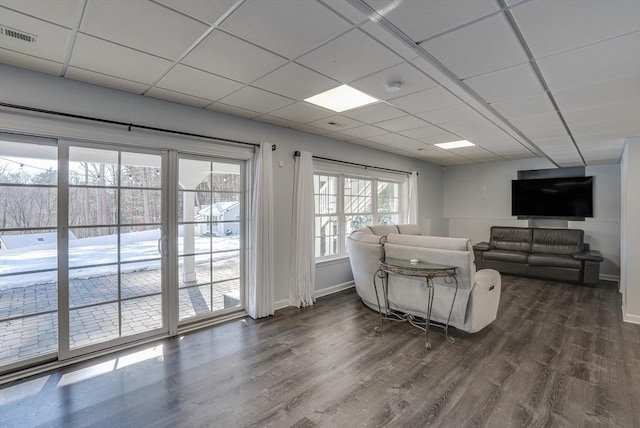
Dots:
(410, 268)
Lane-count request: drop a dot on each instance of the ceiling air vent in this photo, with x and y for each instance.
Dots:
(17, 34)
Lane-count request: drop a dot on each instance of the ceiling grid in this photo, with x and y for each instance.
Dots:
(519, 78)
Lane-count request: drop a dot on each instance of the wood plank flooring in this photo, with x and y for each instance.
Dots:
(558, 355)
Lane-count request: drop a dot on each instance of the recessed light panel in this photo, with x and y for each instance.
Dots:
(455, 144)
(341, 99)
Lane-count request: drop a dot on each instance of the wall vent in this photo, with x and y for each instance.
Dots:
(17, 34)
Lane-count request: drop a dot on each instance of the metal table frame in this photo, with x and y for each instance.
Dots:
(425, 270)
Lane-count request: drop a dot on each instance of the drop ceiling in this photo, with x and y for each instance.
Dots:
(558, 79)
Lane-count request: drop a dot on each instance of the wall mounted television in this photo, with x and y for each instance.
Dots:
(563, 197)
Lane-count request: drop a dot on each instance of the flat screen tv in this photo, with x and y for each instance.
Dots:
(552, 197)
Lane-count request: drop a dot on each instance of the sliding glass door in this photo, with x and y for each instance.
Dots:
(28, 250)
(210, 232)
(116, 247)
(86, 259)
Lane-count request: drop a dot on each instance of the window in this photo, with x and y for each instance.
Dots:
(346, 203)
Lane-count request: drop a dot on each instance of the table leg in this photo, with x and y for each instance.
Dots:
(382, 276)
(430, 290)
(446, 328)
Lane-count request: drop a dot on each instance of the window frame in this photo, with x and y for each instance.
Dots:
(347, 173)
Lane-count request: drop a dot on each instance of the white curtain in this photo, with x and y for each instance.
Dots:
(413, 198)
(303, 266)
(261, 288)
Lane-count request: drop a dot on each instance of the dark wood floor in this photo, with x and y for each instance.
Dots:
(558, 355)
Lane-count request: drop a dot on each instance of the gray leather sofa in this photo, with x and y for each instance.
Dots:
(558, 254)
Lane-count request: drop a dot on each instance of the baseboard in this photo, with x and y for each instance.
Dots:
(281, 304)
(630, 318)
(614, 278)
(334, 289)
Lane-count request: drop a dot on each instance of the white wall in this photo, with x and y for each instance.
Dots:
(479, 196)
(43, 91)
(630, 230)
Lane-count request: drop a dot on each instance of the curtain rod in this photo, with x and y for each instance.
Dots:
(297, 153)
(129, 125)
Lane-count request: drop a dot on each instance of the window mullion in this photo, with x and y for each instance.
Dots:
(342, 228)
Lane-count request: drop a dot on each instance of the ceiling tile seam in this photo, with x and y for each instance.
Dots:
(112, 76)
(73, 37)
(199, 40)
(461, 26)
(536, 69)
(374, 17)
(34, 17)
(364, 19)
(29, 55)
(288, 61)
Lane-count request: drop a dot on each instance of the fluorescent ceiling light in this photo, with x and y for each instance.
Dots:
(455, 144)
(341, 98)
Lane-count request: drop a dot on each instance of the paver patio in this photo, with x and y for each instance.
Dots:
(141, 308)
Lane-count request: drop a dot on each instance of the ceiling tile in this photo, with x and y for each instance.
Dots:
(233, 58)
(300, 25)
(104, 80)
(301, 112)
(449, 114)
(411, 80)
(427, 131)
(514, 82)
(203, 10)
(345, 10)
(374, 113)
(443, 137)
(543, 121)
(402, 123)
(52, 40)
(145, 26)
(30, 62)
(383, 36)
(276, 121)
(335, 123)
(545, 133)
(431, 99)
(421, 20)
(606, 92)
(551, 26)
(350, 56)
(338, 136)
(611, 59)
(363, 131)
(255, 99)
(108, 58)
(62, 12)
(613, 128)
(393, 139)
(232, 110)
(195, 82)
(527, 106)
(177, 97)
(296, 82)
(593, 113)
(310, 129)
(483, 47)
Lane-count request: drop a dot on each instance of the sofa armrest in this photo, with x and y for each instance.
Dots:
(590, 256)
(482, 246)
(487, 280)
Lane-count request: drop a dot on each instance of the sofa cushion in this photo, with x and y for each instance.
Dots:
(557, 241)
(409, 229)
(367, 237)
(506, 256)
(439, 242)
(511, 238)
(383, 229)
(554, 260)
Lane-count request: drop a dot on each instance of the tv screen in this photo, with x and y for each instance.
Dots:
(552, 197)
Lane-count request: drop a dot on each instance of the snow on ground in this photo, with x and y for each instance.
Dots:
(100, 250)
